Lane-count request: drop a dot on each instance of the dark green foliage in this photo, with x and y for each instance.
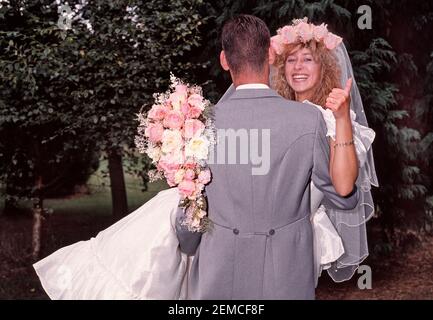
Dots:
(390, 66)
(72, 94)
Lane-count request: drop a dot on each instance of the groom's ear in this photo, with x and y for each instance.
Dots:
(223, 61)
(272, 55)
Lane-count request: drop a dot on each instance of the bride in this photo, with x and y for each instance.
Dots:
(139, 256)
(311, 68)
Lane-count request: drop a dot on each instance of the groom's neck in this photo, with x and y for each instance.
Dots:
(246, 78)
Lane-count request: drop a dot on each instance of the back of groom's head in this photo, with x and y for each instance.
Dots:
(245, 41)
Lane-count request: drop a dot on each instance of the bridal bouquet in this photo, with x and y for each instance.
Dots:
(177, 134)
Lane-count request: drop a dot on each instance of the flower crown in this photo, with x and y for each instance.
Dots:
(300, 31)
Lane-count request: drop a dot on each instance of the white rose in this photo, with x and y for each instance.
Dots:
(154, 153)
(171, 141)
(178, 176)
(197, 147)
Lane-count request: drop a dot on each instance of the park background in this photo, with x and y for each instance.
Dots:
(70, 90)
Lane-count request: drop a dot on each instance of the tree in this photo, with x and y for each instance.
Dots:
(34, 85)
(76, 91)
(120, 57)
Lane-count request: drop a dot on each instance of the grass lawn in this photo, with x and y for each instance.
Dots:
(98, 202)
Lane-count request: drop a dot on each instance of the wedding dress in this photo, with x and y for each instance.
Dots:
(139, 257)
(136, 258)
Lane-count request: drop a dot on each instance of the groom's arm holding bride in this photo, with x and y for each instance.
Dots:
(321, 176)
(188, 240)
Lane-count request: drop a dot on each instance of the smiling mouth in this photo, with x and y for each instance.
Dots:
(299, 77)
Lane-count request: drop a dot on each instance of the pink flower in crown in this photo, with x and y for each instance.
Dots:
(332, 41)
(189, 175)
(320, 32)
(277, 44)
(305, 31)
(289, 34)
(193, 128)
(157, 112)
(204, 176)
(187, 188)
(174, 119)
(154, 131)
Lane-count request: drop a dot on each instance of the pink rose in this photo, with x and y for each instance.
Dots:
(177, 98)
(174, 120)
(191, 112)
(181, 88)
(169, 164)
(196, 100)
(289, 34)
(170, 176)
(193, 128)
(204, 176)
(171, 161)
(157, 112)
(187, 188)
(166, 166)
(320, 32)
(154, 132)
(305, 31)
(332, 41)
(189, 175)
(189, 164)
(277, 44)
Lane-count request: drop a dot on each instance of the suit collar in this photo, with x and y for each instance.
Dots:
(253, 94)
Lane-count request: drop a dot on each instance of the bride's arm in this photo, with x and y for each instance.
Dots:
(343, 164)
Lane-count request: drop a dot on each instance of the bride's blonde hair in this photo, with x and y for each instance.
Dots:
(330, 73)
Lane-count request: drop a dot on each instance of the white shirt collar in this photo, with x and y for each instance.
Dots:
(252, 86)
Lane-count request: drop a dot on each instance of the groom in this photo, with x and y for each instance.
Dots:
(261, 243)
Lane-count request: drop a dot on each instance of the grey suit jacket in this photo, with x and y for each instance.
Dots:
(261, 244)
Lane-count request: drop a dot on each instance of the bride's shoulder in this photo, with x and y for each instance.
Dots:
(312, 104)
(309, 108)
(326, 113)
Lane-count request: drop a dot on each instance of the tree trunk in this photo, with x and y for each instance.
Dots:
(118, 189)
(37, 221)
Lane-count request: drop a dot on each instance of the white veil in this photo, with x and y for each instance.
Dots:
(351, 224)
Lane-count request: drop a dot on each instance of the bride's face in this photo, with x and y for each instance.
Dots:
(302, 73)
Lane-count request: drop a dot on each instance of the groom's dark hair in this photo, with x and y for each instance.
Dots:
(245, 40)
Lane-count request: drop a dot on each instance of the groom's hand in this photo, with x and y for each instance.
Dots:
(338, 101)
(188, 240)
